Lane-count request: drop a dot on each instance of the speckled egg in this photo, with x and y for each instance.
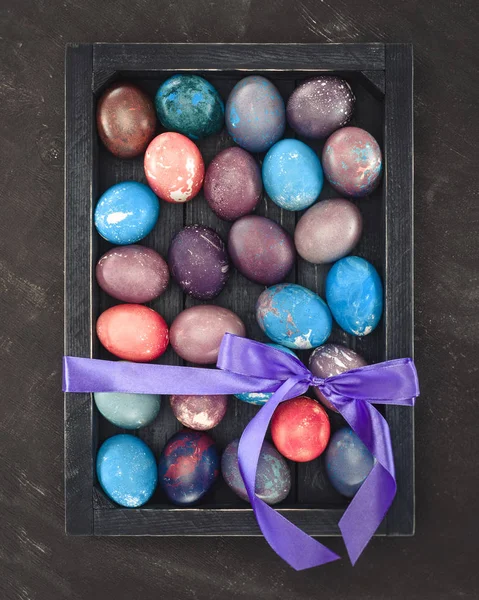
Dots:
(261, 249)
(273, 477)
(199, 412)
(354, 294)
(126, 213)
(196, 333)
(293, 316)
(199, 262)
(188, 467)
(174, 167)
(352, 161)
(255, 115)
(320, 105)
(292, 175)
(126, 470)
(133, 274)
(133, 332)
(328, 231)
(129, 411)
(233, 184)
(348, 462)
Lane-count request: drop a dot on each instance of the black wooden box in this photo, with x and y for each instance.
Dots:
(381, 78)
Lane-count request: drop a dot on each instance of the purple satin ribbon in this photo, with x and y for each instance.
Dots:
(248, 366)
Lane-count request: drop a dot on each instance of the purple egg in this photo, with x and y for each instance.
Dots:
(233, 184)
(261, 249)
(328, 231)
(199, 412)
(198, 261)
(333, 359)
(320, 105)
(133, 274)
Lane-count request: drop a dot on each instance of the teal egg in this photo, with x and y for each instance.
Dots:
(129, 411)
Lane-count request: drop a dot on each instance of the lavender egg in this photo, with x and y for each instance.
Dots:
(320, 105)
(133, 274)
(261, 249)
(199, 412)
(233, 184)
(199, 262)
(328, 231)
(333, 359)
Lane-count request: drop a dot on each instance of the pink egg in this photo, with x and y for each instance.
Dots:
(199, 412)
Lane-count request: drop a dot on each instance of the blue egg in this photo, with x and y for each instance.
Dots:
(126, 470)
(293, 316)
(354, 294)
(126, 212)
(130, 411)
(348, 461)
(292, 175)
(260, 398)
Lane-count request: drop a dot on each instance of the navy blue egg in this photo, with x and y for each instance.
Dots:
(126, 470)
(348, 462)
(354, 294)
(126, 212)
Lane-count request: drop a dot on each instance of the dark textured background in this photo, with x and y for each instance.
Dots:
(37, 561)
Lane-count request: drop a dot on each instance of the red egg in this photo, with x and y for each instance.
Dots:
(300, 429)
(174, 167)
(133, 332)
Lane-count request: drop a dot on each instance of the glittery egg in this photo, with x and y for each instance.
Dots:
(199, 412)
(293, 316)
(133, 332)
(129, 411)
(320, 105)
(255, 115)
(126, 213)
(273, 477)
(199, 262)
(292, 175)
(126, 470)
(348, 462)
(352, 161)
(300, 429)
(328, 231)
(261, 249)
(233, 184)
(174, 167)
(354, 294)
(196, 333)
(188, 467)
(190, 105)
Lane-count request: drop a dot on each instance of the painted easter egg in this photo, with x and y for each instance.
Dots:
(188, 467)
(261, 249)
(354, 294)
(352, 161)
(174, 167)
(348, 462)
(255, 115)
(126, 212)
(333, 359)
(292, 175)
(190, 105)
(233, 184)
(133, 274)
(328, 231)
(293, 316)
(130, 411)
(320, 105)
(199, 412)
(199, 262)
(196, 333)
(126, 470)
(133, 332)
(273, 477)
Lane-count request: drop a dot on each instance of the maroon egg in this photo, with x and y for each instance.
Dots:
(196, 333)
(199, 412)
(198, 261)
(328, 231)
(233, 184)
(133, 274)
(261, 249)
(126, 120)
